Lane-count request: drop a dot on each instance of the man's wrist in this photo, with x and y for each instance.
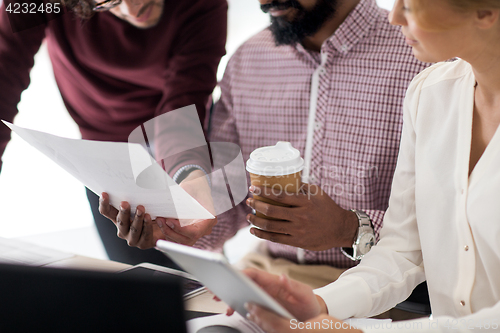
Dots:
(364, 240)
(351, 227)
(187, 170)
(193, 174)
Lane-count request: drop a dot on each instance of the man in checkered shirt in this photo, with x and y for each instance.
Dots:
(335, 71)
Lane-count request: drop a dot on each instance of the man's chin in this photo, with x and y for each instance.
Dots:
(153, 19)
(144, 25)
(298, 24)
(283, 32)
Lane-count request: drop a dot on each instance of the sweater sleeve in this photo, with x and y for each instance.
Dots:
(224, 130)
(191, 78)
(16, 60)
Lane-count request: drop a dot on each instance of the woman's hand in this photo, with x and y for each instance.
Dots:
(273, 323)
(294, 296)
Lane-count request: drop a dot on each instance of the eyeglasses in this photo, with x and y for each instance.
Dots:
(106, 5)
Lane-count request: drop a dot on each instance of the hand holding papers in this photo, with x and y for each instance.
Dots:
(139, 231)
(185, 231)
(127, 175)
(124, 170)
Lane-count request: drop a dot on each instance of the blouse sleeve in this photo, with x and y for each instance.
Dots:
(393, 268)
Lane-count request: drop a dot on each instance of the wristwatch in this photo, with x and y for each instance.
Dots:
(365, 239)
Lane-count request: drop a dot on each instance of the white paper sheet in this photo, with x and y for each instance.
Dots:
(217, 323)
(13, 251)
(124, 170)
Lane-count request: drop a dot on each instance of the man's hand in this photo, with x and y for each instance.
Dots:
(143, 233)
(314, 221)
(139, 231)
(296, 297)
(188, 232)
(273, 323)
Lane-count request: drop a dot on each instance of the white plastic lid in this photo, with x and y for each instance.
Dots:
(279, 160)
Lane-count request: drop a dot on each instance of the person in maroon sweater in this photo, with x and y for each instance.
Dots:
(118, 64)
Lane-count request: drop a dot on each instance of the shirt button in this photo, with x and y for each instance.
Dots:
(344, 47)
(462, 303)
(317, 125)
(466, 248)
(313, 178)
(322, 71)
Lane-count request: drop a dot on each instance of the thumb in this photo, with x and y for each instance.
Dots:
(290, 287)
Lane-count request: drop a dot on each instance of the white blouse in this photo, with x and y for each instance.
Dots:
(442, 225)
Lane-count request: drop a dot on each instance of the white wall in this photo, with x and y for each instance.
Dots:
(36, 196)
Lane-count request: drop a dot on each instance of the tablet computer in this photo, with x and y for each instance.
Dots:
(229, 284)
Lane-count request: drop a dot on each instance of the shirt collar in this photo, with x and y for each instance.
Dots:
(351, 31)
(354, 27)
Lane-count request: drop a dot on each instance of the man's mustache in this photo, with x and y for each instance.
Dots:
(275, 4)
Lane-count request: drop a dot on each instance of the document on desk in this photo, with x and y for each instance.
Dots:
(221, 323)
(124, 170)
(13, 251)
(237, 324)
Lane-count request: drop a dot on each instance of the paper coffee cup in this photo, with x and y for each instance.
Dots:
(277, 169)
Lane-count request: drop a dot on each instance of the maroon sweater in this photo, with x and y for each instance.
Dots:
(113, 76)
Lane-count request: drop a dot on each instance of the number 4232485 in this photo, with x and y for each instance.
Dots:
(33, 8)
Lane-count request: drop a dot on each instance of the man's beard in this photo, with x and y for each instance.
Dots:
(306, 22)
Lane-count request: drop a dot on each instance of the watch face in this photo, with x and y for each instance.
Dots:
(365, 243)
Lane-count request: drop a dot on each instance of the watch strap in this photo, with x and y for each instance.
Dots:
(365, 227)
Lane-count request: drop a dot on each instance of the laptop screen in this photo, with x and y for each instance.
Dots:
(59, 300)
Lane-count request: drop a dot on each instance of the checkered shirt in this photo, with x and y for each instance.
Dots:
(266, 91)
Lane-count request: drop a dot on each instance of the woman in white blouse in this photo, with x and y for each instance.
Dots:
(443, 222)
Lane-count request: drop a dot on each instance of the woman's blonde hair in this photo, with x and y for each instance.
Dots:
(474, 4)
(462, 6)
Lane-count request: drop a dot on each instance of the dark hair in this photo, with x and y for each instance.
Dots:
(82, 8)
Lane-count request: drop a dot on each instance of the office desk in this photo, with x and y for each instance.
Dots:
(199, 303)
(81, 262)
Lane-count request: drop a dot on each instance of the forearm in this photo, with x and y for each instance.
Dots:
(189, 170)
(190, 79)
(350, 229)
(179, 165)
(383, 279)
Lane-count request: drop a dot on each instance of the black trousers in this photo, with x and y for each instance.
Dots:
(117, 248)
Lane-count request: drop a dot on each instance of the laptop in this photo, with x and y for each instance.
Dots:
(38, 299)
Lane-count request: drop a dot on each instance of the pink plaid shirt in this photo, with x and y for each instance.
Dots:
(348, 98)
